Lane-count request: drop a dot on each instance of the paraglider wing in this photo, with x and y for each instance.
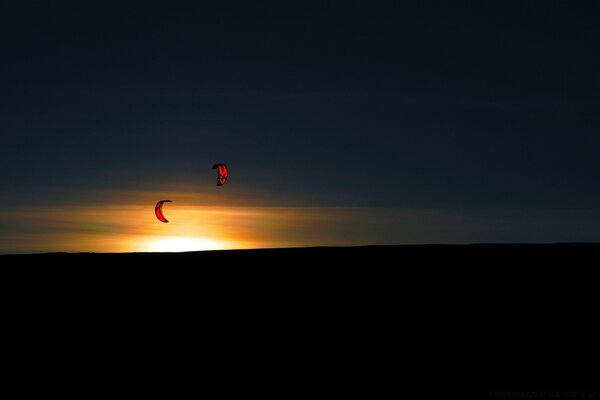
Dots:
(158, 210)
(223, 173)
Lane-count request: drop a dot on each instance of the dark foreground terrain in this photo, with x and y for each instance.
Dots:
(324, 256)
(424, 322)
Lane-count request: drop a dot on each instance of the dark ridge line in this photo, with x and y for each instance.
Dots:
(431, 246)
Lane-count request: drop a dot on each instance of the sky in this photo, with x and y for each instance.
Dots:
(342, 123)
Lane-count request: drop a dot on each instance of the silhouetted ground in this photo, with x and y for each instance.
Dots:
(488, 253)
(429, 322)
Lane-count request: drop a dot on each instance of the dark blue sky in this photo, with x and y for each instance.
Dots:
(397, 104)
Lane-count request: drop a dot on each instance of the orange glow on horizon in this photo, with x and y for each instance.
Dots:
(179, 244)
(129, 224)
(133, 228)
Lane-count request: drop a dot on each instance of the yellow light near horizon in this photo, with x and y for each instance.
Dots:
(180, 244)
(133, 227)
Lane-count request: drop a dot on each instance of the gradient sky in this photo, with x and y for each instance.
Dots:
(343, 122)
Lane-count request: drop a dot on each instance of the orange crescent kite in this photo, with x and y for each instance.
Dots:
(158, 210)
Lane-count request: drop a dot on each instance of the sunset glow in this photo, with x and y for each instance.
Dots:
(167, 127)
(117, 221)
(179, 244)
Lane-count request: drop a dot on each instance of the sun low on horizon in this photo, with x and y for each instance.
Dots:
(182, 243)
(198, 223)
(134, 227)
(295, 124)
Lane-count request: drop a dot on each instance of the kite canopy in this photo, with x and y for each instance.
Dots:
(158, 210)
(223, 173)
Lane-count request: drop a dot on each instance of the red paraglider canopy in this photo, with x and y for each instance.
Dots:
(223, 173)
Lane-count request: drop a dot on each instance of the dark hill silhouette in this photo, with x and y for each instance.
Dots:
(489, 252)
(434, 321)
